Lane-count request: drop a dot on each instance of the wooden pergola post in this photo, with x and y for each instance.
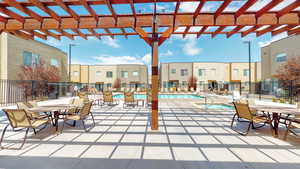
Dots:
(155, 83)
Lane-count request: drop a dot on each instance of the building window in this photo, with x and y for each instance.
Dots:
(246, 72)
(76, 73)
(109, 74)
(201, 72)
(54, 62)
(30, 59)
(213, 71)
(135, 73)
(236, 72)
(124, 74)
(123, 85)
(173, 71)
(108, 85)
(184, 72)
(98, 73)
(282, 57)
(184, 83)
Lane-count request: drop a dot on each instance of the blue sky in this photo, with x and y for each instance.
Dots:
(176, 49)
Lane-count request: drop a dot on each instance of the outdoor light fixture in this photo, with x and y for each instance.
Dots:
(70, 57)
(249, 55)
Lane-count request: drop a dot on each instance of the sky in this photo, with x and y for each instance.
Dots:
(176, 49)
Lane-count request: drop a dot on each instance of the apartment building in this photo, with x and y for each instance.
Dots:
(104, 76)
(16, 52)
(211, 73)
(277, 53)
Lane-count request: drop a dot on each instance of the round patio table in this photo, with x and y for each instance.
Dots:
(56, 110)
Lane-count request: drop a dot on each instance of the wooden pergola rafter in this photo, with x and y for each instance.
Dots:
(55, 25)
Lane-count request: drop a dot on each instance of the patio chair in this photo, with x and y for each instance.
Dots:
(84, 112)
(108, 99)
(32, 115)
(129, 100)
(244, 114)
(292, 125)
(18, 118)
(84, 96)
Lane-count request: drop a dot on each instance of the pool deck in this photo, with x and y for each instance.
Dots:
(188, 138)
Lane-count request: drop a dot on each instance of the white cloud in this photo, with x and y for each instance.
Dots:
(147, 58)
(167, 53)
(273, 39)
(188, 6)
(259, 5)
(53, 42)
(110, 42)
(109, 59)
(190, 46)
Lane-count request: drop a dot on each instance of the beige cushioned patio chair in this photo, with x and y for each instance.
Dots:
(292, 125)
(108, 98)
(129, 100)
(18, 118)
(32, 115)
(244, 114)
(84, 112)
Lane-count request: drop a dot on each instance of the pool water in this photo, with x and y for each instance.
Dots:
(162, 96)
(219, 106)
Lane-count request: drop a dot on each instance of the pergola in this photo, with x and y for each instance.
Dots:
(241, 21)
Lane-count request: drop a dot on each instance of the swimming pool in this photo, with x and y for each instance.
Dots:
(162, 96)
(219, 106)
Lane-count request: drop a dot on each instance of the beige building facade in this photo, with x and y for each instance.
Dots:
(104, 76)
(277, 53)
(208, 73)
(16, 52)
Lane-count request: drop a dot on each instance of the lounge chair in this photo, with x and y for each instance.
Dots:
(84, 112)
(292, 125)
(108, 99)
(129, 100)
(244, 114)
(32, 115)
(18, 118)
(84, 96)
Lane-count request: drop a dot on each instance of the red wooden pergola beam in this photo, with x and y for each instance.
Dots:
(42, 36)
(44, 8)
(244, 8)
(201, 31)
(124, 32)
(12, 14)
(27, 11)
(222, 7)
(220, 29)
(108, 32)
(284, 29)
(94, 33)
(186, 31)
(266, 30)
(80, 33)
(199, 7)
(165, 35)
(111, 9)
(131, 2)
(64, 33)
(22, 34)
(143, 35)
(294, 31)
(89, 9)
(289, 8)
(65, 7)
(234, 31)
(266, 8)
(251, 30)
(48, 33)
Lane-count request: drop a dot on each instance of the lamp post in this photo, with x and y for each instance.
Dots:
(249, 55)
(70, 57)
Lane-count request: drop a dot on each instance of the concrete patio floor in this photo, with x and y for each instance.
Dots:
(188, 138)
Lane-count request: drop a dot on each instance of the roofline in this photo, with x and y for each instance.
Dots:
(111, 65)
(289, 36)
(206, 62)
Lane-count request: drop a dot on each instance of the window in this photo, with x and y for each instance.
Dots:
(246, 72)
(108, 85)
(54, 62)
(135, 73)
(76, 73)
(27, 59)
(109, 74)
(123, 85)
(173, 71)
(124, 74)
(184, 83)
(30, 59)
(184, 72)
(281, 57)
(98, 73)
(213, 72)
(201, 72)
(236, 72)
